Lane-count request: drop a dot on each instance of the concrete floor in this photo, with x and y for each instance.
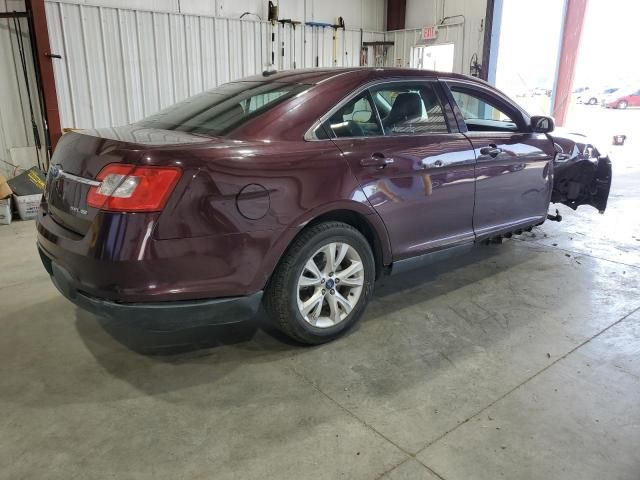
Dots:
(517, 361)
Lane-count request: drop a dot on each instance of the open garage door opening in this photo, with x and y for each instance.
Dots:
(433, 57)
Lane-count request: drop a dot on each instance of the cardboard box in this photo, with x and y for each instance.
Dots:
(5, 189)
(5, 211)
(28, 205)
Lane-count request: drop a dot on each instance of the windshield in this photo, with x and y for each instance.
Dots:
(220, 110)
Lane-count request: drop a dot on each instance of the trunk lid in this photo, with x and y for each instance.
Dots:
(79, 158)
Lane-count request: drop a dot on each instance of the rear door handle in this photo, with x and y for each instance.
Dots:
(492, 150)
(376, 160)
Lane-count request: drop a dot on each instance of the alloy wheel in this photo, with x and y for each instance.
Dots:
(330, 284)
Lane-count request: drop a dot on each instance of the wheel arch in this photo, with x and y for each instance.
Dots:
(362, 218)
(364, 225)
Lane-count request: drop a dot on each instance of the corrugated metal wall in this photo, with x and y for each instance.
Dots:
(120, 65)
(366, 14)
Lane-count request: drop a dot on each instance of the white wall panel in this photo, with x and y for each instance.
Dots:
(120, 65)
(134, 91)
(13, 131)
(208, 52)
(97, 77)
(17, 141)
(114, 71)
(147, 54)
(366, 14)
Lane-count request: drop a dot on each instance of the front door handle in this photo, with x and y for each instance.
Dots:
(376, 160)
(492, 150)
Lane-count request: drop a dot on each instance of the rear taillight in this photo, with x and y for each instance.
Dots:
(127, 188)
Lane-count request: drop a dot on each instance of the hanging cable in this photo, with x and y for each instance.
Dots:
(23, 61)
(249, 13)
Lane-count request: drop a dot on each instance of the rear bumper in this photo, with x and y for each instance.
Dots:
(120, 259)
(168, 314)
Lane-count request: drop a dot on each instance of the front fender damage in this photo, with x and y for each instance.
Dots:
(581, 175)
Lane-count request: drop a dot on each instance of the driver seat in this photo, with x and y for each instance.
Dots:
(407, 106)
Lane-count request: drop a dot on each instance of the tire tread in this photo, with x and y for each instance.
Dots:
(276, 304)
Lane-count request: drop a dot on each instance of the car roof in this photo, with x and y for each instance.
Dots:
(314, 76)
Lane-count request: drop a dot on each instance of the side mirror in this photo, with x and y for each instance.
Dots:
(540, 124)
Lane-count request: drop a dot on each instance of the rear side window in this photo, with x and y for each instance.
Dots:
(220, 110)
(357, 118)
(411, 109)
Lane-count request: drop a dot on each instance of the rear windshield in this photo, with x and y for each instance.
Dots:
(220, 110)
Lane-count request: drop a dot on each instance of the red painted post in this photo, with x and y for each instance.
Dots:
(572, 31)
(41, 35)
(396, 13)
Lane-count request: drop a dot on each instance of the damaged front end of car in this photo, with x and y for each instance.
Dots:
(582, 176)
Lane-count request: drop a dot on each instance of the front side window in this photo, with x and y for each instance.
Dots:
(409, 109)
(357, 118)
(220, 110)
(479, 115)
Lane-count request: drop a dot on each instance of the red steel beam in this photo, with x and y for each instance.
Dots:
(572, 31)
(43, 49)
(396, 13)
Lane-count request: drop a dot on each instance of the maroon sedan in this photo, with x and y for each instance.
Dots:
(299, 189)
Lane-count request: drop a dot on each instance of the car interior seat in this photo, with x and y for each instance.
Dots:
(407, 106)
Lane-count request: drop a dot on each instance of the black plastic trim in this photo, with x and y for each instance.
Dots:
(408, 264)
(217, 311)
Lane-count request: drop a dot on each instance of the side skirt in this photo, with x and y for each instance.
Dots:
(424, 260)
(508, 229)
(430, 258)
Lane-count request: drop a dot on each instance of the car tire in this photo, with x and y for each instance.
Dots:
(305, 299)
(593, 101)
(622, 105)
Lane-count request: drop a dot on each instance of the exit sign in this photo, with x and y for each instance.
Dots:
(429, 33)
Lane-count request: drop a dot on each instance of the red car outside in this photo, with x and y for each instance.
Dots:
(623, 100)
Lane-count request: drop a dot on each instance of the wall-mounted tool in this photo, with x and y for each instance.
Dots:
(338, 24)
(272, 14)
(475, 68)
(379, 51)
(273, 18)
(316, 29)
(293, 24)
